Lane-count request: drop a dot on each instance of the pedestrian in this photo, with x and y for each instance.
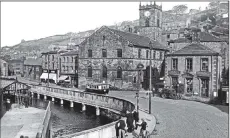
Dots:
(136, 118)
(120, 129)
(143, 128)
(129, 121)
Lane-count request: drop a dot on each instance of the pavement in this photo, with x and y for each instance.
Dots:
(181, 118)
(24, 121)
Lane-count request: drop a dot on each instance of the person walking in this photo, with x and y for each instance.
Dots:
(129, 121)
(136, 118)
(143, 131)
(120, 129)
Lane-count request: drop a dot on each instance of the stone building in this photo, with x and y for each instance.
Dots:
(197, 67)
(150, 21)
(212, 42)
(112, 56)
(33, 68)
(3, 68)
(69, 67)
(17, 66)
(50, 66)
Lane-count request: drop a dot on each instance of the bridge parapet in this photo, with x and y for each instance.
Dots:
(102, 101)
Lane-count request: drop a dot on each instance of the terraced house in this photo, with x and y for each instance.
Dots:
(33, 68)
(112, 56)
(197, 67)
(69, 67)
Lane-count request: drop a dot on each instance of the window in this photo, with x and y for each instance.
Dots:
(189, 64)
(204, 64)
(119, 52)
(119, 72)
(53, 66)
(53, 57)
(189, 83)
(104, 53)
(63, 68)
(168, 36)
(103, 37)
(174, 64)
(104, 72)
(63, 59)
(72, 59)
(72, 68)
(90, 53)
(147, 54)
(67, 69)
(67, 58)
(90, 71)
(139, 53)
(134, 79)
(161, 55)
(154, 54)
(4, 64)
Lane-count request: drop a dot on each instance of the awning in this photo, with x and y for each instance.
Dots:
(53, 76)
(44, 76)
(63, 77)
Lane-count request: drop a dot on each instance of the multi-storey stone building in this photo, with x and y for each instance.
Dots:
(50, 66)
(3, 68)
(112, 56)
(69, 67)
(33, 68)
(197, 67)
(17, 66)
(212, 42)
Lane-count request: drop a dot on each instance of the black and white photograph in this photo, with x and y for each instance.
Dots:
(114, 69)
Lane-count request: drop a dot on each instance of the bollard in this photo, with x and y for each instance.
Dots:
(97, 111)
(71, 104)
(83, 107)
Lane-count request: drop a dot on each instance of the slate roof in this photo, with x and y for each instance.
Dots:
(204, 37)
(75, 52)
(136, 40)
(194, 49)
(33, 62)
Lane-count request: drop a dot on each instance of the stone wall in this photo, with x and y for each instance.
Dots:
(128, 62)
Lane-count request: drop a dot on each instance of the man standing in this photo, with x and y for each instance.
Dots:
(120, 129)
(136, 118)
(143, 128)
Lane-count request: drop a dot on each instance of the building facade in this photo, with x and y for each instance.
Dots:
(33, 68)
(69, 67)
(17, 66)
(112, 56)
(197, 67)
(50, 66)
(4, 68)
(218, 45)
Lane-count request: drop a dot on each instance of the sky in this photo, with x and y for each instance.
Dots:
(34, 20)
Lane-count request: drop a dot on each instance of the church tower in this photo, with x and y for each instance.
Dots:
(150, 21)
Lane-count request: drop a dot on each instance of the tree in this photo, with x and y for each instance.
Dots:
(213, 4)
(179, 9)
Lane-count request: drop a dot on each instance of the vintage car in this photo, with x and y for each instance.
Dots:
(100, 88)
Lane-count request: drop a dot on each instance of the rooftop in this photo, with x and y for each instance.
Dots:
(32, 61)
(75, 52)
(194, 49)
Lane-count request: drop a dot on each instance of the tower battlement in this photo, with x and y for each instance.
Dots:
(150, 6)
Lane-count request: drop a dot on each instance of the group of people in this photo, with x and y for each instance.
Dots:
(132, 122)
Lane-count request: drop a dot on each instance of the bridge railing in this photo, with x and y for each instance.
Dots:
(87, 98)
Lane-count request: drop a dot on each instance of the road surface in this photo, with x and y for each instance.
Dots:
(183, 119)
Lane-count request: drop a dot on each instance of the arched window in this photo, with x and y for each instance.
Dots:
(119, 72)
(67, 59)
(90, 72)
(104, 72)
(139, 53)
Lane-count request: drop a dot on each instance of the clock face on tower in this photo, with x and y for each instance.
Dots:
(147, 14)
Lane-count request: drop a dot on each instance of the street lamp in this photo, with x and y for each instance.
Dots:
(139, 68)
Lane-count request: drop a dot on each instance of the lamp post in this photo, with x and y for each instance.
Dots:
(150, 76)
(139, 67)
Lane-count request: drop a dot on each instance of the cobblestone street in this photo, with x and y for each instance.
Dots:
(183, 119)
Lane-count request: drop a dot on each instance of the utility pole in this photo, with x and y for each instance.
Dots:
(150, 77)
